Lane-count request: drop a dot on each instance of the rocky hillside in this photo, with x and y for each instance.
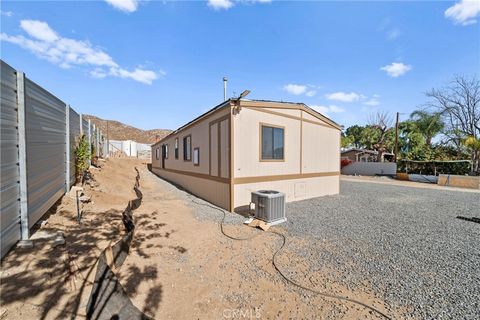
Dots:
(121, 131)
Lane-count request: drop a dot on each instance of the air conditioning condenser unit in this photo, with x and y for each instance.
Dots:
(269, 206)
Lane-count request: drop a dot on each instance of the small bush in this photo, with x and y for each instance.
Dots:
(82, 156)
(461, 167)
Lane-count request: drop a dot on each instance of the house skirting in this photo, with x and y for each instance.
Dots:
(213, 189)
(294, 189)
(217, 190)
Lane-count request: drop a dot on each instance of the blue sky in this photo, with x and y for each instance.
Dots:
(158, 64)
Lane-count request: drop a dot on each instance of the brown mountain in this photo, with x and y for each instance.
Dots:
(121, 131)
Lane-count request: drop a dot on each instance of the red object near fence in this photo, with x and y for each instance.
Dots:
(345, 162)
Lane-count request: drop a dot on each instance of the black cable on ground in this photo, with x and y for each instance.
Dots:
(221, 223)
(108, 299)
(287, 279)
(326, 295)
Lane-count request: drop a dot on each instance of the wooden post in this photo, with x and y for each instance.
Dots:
(396, 137)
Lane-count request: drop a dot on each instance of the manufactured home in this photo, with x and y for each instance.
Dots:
(241, 146)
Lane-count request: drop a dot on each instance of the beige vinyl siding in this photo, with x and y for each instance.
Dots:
(308, 116)
(213, 150)
(224, 149)
(310, 166)
(199, 139)
(247, 146)
(311, 162)
(197, 178)
(290, 112)
(320, 149)
(295, 189)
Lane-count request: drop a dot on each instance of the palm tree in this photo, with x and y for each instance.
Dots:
(428, 124)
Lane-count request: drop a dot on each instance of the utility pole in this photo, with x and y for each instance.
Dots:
(396, 137)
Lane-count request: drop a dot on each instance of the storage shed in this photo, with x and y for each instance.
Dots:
(244, 145)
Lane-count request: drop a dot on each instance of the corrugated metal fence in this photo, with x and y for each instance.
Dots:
(39, 134)
(10, 188)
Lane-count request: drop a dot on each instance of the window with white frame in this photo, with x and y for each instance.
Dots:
(196, 156)
(187, 148)
(176, 148)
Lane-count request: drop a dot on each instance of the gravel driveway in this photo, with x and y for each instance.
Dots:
(403, 242)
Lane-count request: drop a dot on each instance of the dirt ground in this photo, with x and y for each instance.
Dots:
(178, 268)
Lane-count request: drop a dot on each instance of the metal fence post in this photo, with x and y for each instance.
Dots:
(81, 125)
(90, 142)
(94, 139)
(67, 148)
(22, 156)
(97, 136)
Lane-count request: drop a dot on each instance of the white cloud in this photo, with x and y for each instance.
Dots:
(296, 89)
(311, 93)
(464, 12)
(393, 34)
(372, 102)
(389, 29)
(6, 13)
(140, 75)
(227, 4)
(343, 96)
(47, 44)
(98, 73)
(327, 109)
(39, 30)
(220, 4)
(124, 5)
(396, 69)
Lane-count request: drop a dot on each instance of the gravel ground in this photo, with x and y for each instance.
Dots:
(403, 242)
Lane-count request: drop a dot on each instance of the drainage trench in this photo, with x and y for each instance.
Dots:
(108, 299)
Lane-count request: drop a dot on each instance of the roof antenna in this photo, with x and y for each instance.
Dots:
(225, 88)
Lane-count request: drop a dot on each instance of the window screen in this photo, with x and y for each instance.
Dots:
(272, 143)
(196, 156)
(157, 153)
(176, 148)
(187, 148)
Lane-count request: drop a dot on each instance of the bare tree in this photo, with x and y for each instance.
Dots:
(382, 122)
(459, 105)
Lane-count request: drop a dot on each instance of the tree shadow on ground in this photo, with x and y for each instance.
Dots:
(47, 274)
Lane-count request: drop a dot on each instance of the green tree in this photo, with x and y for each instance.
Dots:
(82, 156)
(411, 142)
(355, 133)
(380, 125)
(473, 146)
(459, 105)
(428, 124)
(346, 141)
(369, 136)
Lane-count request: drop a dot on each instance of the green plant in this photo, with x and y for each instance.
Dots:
(82, 156)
